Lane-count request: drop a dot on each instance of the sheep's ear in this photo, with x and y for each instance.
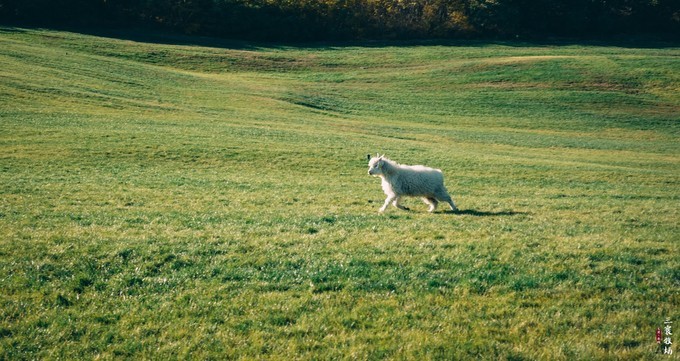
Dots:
(368, 156)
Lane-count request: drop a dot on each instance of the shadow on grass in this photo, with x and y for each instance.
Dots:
(174, 37)
(476, 213)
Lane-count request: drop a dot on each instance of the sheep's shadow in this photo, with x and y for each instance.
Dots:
(477, 213)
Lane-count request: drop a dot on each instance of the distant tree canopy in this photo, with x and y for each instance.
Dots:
(360, 19)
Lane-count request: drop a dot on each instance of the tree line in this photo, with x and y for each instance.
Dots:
(360, 19)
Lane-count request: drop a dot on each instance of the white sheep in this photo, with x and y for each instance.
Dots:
(413, 181)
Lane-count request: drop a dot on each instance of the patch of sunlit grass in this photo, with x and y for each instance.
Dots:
(212, 202)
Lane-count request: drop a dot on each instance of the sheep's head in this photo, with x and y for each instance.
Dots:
(375, 164)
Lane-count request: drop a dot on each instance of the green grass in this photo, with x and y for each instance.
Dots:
(173, 201)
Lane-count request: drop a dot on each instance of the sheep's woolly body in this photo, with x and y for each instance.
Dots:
(410, 180)
(414, 181)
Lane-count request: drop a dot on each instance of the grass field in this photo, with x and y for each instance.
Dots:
(177, 198)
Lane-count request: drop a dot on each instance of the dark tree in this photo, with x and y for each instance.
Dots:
(360, 19)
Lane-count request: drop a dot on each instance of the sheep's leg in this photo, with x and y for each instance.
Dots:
(445, 197)
(453, 206)
(389, 200)
(432, 202)
(396, 203)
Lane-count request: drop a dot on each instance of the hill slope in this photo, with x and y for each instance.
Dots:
(165, 200)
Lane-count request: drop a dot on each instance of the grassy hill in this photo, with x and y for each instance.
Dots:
(181, 197)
